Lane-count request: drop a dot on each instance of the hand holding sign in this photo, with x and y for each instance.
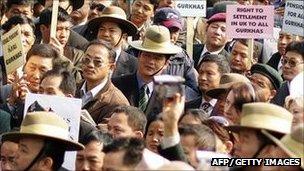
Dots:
(57, 45)
(19, 90)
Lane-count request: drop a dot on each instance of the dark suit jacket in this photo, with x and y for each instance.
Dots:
(174, 153)
(282, 93)
(129, 87)
(125, 65)
(5, 122)
(104, 102)
(197, 51)
(194, 104)
(274, 60)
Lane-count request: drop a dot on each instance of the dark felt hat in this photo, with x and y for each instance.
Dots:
(269, 72)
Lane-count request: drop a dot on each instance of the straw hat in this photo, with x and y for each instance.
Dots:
(227, 80)
(292, 144)
(156, 40)
(116, 15)
(46, 125)
(264, 116)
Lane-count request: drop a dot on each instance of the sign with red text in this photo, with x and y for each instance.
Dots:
(294, 17)
(250, 21)
(191, 8)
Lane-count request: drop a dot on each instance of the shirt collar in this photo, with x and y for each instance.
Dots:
(141, 83)
(117, 52)
(206, 50)
(95, 90)
(212, 101)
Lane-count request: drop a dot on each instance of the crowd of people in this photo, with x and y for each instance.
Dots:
(108, 52)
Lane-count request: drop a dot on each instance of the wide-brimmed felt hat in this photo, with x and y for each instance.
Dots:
(269, 72)
(264, 116)
(45, 125)
(226, 81)
(116, 15)
(292, 144)
(156, 40)
(76, 4)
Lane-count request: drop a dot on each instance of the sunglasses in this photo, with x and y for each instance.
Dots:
(96, 63)
(291, 63)
(98, 7)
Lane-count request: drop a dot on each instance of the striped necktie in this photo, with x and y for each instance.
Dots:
(143, 97)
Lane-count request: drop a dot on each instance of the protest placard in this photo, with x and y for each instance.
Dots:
(293, 21)
(68, 108)
(250, 21)
(195, 8)
(13, 50)
(191, 9)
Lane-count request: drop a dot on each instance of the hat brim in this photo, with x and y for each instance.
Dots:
(77, 4)
(68, 144)
(281, 145)
(125, 25)
(170, 49)
(216, 92)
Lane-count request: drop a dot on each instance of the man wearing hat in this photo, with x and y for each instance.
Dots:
(111, 28)
(220, 93)
(290, 146)
(180, 64)
(267, 78)
(155, 50)
(215, 39)
(40, 148)
(254, 118)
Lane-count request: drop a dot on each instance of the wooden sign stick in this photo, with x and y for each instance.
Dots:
(250, 49)
(54, 18)
(190, 34)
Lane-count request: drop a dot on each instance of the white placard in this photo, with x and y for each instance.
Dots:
(13, 52)
(190, 8)
(68, 108)
(294, 17)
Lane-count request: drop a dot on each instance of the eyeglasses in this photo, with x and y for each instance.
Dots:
(99, 7)
(291, 63)
(96, 63)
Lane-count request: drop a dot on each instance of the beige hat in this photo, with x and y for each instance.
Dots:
(116, 15)
(292, 144)
(264, 116)
(227, 80)
(46, 125)
(156, 40)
